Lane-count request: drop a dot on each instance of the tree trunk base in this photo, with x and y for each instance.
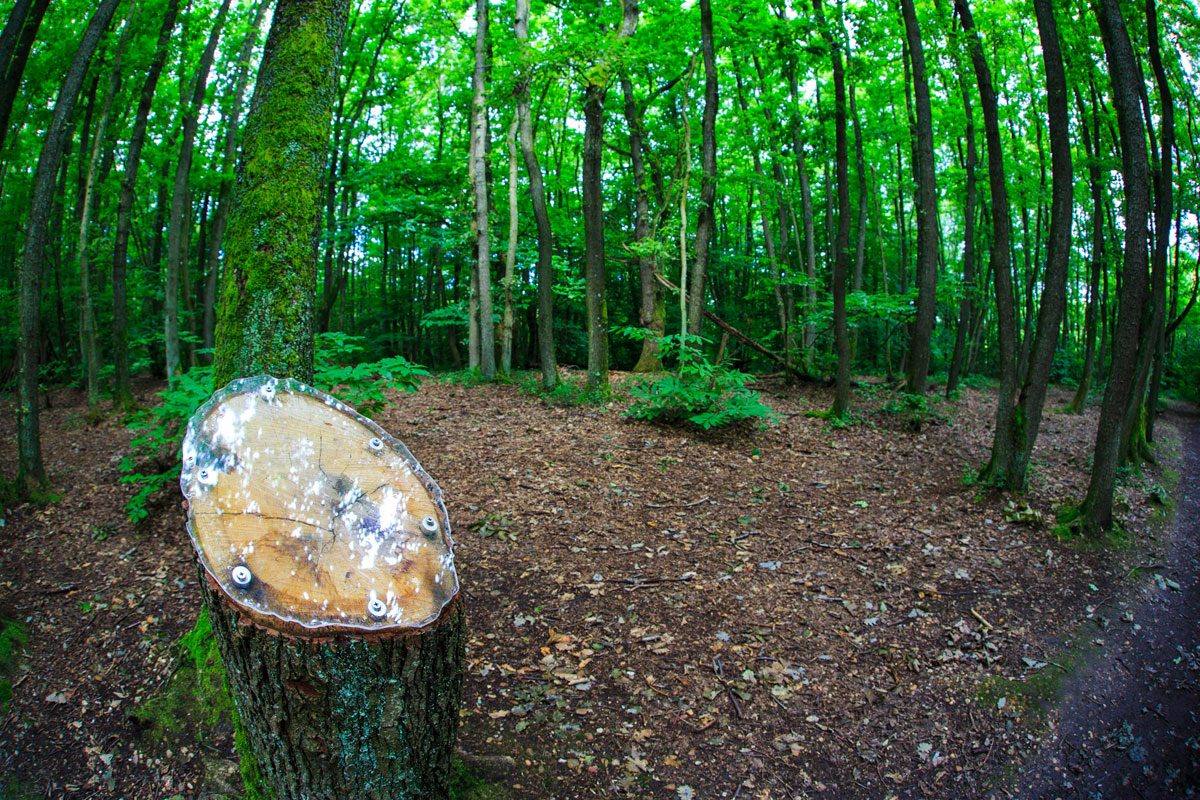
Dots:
(369, 717)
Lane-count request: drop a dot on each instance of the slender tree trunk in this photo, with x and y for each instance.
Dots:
(16, 42)
(593, 234)
(842, 244)
(176, 242)
(966, 308)
(1095, 514)
(1092, 312)
(510, 255)
(228, 150)
(927, 216)
(883, 272)
(123, 386)
(87, 316)
(706, 214)
(537, 196)
(1000, 264)
(31, 473)
(1164, 196)
(1058, 252)
(651, 310)
(860, 242)
(481, 277)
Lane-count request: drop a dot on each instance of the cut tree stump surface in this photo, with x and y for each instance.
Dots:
(305, 513)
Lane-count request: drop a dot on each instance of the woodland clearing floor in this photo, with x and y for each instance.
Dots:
(789, 611)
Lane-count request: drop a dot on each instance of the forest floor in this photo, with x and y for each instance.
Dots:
(775, 612)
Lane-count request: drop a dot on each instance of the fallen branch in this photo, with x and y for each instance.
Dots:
(741, 337)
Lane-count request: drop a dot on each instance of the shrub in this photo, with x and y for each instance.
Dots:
(699, 392)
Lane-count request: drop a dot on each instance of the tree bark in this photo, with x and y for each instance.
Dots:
(87, 317)
(537, 196)
(966, 308)
(16, 42)
(123, 385)
(1052, 306)
(841, 398)
(481, 278)
(927, 216)
(176, 230)
(1095, 514)
(1000, 264)
(31, 472)
(1092, 311)
(651, 310)
(1164, 197)
(860, 240)
(706, 214)
(265, 324)
(510, 255)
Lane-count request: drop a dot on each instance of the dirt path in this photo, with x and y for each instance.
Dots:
(1128, 724)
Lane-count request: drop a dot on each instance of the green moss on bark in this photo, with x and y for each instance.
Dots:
(268, 297)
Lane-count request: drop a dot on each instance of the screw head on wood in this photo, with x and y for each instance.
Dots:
(268, 390)
(376, 607)
(206, 476)
(375, 444)
(429, 525)
(241, 576)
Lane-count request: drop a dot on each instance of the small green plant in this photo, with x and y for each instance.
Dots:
(160, 428)
(914, 409)
(699, 392)
(12, 639)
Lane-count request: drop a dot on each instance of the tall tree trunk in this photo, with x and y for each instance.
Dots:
(228, 150)
(1164, 196)
(841, 399)
(510, 255)
(860, 240)
(651, 310)
(481, 276)
(1095, 514)
(31, 472)
(1000, 264)
(1058, 251)
(883, 271)
(593, 234)
(927, 216)
(596, 303)
(537, 196)
(706, 214)
(180, 204)
(966, 308)
(16, 42)
(1092, 311)
(87, 316)
(123, 385)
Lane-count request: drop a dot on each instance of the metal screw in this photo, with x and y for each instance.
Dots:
(241, 576)
(376, 607)
(206, 476)
(268, 390)
(376, 443)
(429, 525)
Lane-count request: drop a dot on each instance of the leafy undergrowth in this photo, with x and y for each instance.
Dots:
(786, 611)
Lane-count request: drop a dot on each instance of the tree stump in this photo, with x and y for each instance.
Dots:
(328, 573)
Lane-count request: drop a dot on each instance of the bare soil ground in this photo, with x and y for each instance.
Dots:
(779, 612)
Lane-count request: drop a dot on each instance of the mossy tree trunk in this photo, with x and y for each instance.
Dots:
(358, 714)
(349, 719)
(265, 323)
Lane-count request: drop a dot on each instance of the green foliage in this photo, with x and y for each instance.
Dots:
(12, 638)
(914, 410)
(362, 385)
(160, 428)
(699, 392)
